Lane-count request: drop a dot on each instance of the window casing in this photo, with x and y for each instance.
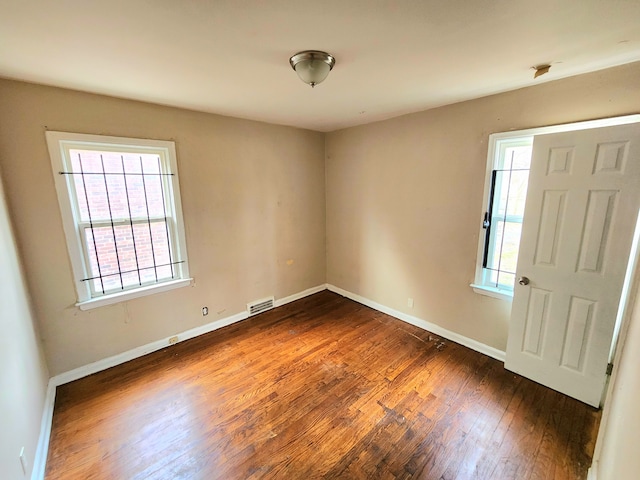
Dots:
(503, 219)
(121, 209)
(506, 184)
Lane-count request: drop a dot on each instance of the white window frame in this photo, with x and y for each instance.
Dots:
(499, 147)
(59, 144)
(495, 141)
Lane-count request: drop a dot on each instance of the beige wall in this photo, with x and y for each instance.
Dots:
(404, 196)
(253, 199)
(23, 372)
(403, 201)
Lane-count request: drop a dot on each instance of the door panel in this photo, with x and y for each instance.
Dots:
(582, 205)
(551, 221)
(537, 316)
(578, 332)
(593, 245)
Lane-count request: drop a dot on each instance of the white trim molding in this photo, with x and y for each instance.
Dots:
(137, 352)
(424, 324)
(42, 450)
(61, 147)
(492, 292)
(299, 295)
(131, 294)
(143, 350)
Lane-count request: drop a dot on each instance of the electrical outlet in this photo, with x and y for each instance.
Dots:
(173, 340)
(205, 311)
(410, 302)
(23, 461)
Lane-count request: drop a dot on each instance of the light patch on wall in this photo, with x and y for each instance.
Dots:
(289, 262)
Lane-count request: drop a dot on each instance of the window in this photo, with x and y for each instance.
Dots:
(507, 178)
(503, 219)
(120, 203)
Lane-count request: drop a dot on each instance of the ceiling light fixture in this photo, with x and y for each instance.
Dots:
(312, 66)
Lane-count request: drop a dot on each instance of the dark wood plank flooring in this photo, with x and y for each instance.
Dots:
(320, 388)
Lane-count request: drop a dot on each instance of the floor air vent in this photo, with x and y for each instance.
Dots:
(260, 306)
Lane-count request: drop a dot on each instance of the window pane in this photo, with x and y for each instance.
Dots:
(153, 187)
(134, 194)
(135, 190)
(135, 255)
(100, 241)
(510, 193)
(506, 280)
(150, 164)
(510, 244)
(91, 193)
(518, 182)
(517, 157)
(86, 161)
(117, 197)
(160, 242)
(151, 254)
(497, 233)
(144, 190)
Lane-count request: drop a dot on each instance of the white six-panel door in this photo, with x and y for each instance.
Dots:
(581, 210)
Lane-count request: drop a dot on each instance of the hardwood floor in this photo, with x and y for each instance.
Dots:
(320, 388)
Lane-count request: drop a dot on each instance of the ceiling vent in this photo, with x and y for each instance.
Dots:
(260, 306)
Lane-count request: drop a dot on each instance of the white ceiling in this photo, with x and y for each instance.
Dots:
(231, 56)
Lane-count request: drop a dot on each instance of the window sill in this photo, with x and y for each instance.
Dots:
(492, 292)
(131, 294)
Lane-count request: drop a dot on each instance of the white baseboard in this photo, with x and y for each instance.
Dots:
(299, 295)
(592, 474)
(137, 352)
(40, 459)
(425, 325)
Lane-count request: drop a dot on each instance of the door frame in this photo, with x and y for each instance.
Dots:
(630, 300)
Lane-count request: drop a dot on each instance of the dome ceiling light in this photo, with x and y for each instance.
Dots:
(312, 66)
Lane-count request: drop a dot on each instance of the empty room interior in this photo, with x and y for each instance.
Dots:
(337, 239)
